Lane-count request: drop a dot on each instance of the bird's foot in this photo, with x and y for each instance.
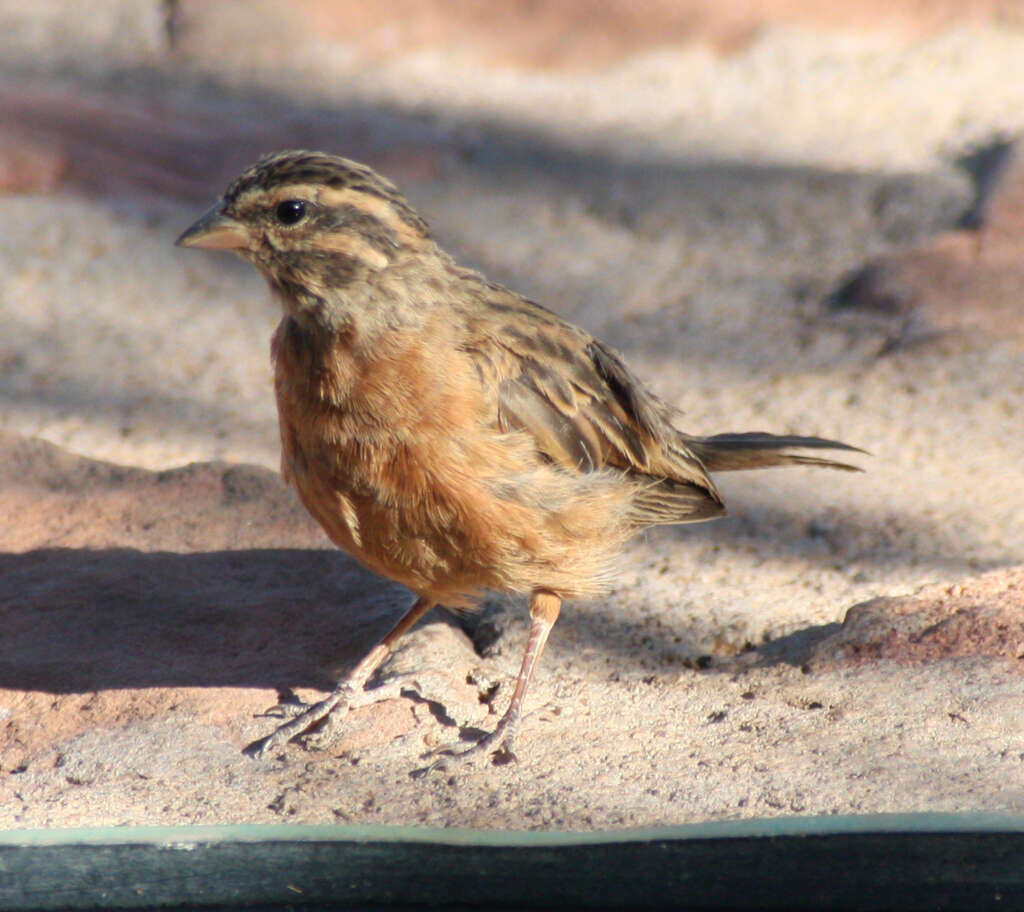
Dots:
(498, 746)
(329, 713)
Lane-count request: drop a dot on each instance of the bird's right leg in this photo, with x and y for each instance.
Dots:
(348, 694)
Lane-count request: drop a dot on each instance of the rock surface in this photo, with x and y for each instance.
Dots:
(964, 286)
(150, 617)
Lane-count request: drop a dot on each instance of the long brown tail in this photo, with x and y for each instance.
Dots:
(756, 450)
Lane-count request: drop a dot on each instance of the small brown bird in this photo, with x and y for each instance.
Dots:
(445, 431)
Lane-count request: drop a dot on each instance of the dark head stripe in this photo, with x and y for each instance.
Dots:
(283, 169)
(298, 167)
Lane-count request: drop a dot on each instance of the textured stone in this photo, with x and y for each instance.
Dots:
(149, 617)
(963, 286)
(981, 617)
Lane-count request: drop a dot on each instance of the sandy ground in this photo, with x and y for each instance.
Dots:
(693, 206)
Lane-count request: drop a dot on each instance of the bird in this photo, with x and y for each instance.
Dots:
(447, 432)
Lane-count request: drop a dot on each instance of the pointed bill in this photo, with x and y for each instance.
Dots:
(213, 230)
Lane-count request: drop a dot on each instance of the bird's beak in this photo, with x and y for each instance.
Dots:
(214, 230)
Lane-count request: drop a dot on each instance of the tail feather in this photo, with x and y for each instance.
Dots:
(756, 450)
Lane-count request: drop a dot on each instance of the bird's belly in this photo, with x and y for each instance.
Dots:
(438, 497)
(369, 504)
(450, 526)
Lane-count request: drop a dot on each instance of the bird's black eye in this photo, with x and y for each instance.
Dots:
(290, 212)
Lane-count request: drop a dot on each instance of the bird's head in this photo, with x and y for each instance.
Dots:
(312, 223)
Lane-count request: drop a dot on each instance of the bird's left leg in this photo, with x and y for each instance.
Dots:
(544, 609)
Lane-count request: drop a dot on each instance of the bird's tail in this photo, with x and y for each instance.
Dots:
(755, 450)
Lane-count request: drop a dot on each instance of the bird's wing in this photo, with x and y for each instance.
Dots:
(584, 409)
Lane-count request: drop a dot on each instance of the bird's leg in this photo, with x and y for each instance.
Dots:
(347, 694)
(544, 609)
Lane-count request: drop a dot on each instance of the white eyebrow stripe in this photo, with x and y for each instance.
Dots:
(379, 208)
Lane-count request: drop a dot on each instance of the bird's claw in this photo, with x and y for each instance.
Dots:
(499, 746)
(286, 709)
(302, 717)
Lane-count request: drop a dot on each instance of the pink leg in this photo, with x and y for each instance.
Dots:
(348, 693)
(544, 610)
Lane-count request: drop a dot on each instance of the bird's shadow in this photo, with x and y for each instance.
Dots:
(77, 620)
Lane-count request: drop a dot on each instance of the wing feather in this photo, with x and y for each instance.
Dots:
(586, 411)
